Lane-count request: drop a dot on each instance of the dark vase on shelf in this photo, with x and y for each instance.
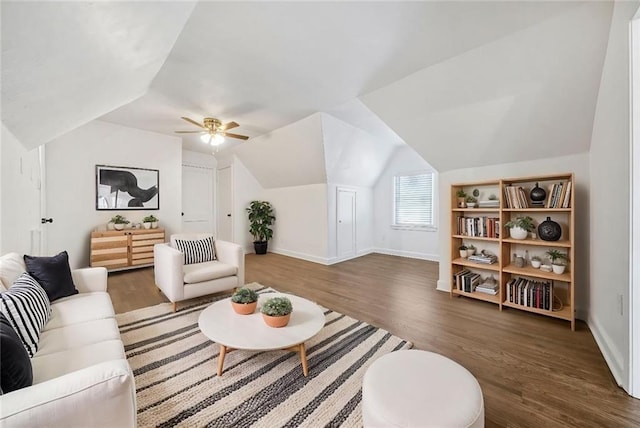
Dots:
(549, 230)
(537, 196)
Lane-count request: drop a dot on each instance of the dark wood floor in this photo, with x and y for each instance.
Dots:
(533, 370)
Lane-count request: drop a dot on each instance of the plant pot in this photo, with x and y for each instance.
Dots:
(559, 269)
(518, 233)
(244, 308)
(461, 203)
(536, 264)
(471, 251)
(276, 322)
(464, 253)
(154, 225)
(471, 204)
(260, 247)
(118, 226)
(147, 224)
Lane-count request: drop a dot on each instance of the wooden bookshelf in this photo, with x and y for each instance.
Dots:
(469, 226)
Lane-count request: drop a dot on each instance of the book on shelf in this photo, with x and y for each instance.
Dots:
(482, 227)
(484, 258)
(559, 195)
(530, 293)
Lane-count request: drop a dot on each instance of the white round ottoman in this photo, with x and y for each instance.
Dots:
(415, 388)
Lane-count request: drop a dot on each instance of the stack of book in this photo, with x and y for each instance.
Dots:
(559, 195)
(466, 280)
(515, 197)
(491, 203)
(484, 227)
(484, 258)
(526, 292)
(489, 286)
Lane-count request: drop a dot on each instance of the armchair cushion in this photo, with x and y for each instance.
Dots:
(53, 274)
(207, 271)
(196, 250)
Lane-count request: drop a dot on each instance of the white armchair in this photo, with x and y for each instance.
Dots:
(181, 282)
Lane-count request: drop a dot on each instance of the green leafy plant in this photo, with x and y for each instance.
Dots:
(244, 295)
(525, 223)
(471, 199)
(260, 219)
(149, 219)
(461, 194)
(557, 258)
(277, 307)
(118, 219)
(470, 247)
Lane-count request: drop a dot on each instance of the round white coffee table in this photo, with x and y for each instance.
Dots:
(249, 332)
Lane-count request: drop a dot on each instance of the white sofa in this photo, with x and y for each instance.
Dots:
(181, 282)
(81, 377)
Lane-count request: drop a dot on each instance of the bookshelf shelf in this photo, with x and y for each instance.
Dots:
(513, 195)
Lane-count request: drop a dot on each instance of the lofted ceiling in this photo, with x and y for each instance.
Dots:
(476, 82)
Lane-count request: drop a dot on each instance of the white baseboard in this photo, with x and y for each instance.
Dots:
(410, 254)
(614, 359)
(298, 255)
(334, 260)
(443, 286)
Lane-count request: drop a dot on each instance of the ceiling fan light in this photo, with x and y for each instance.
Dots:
(205, 138)
(217, 140)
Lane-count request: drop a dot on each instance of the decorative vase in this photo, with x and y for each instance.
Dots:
(147, 224)
(518, 233)
(118, 226)
(559, 269)
(244, 308)
(538, 196)
(154, 225)
(549, 230)
(276, 322)
(519, 262)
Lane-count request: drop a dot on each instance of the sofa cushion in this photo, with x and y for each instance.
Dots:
(53, 274)
(80, 308)
(15, 366)
(207, 271)
(196, 250)
(26, 306)
(11, 267)
(77, 335)
(53, 365)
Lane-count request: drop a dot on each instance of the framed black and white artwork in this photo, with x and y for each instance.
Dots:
(125, 188)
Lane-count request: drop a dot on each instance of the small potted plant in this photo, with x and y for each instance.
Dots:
(149, 221)
(276, 311)
(558, 261)
(471, 250)
(536, 262)
(461, 195)
(463, 251)
(119, 222)
(520, 227)
(244, 301)
(471, 201)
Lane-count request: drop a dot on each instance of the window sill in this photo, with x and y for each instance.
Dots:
(414, 228)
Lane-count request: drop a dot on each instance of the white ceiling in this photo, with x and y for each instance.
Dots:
(439, 74)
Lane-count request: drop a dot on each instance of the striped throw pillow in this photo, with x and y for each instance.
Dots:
(27, 308)
(196, 250)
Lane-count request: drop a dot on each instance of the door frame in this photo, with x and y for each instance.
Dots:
(354, 214)
(217, 204)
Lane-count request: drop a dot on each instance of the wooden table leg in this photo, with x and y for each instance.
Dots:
(303, 359)
(223, 352)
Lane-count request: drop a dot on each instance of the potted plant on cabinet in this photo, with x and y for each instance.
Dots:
(276, 311)
(463, 251)
(558, 261)
(149, 221)
(260, 219)
(471, 201)
(520, 227)
(244, 301)
(119, 222)
(461, 195)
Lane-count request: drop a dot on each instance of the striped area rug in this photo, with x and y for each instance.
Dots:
(175, 371)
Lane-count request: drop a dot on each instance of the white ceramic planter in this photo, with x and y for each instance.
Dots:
(518, 233)
(536, 264)
(118, 226)
(463, 254)
(147, 224)
(559, 269)
(154, 225)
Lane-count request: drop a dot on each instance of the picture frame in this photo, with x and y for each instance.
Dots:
(127, 188)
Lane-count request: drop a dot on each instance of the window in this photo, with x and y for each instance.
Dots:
(413, 197)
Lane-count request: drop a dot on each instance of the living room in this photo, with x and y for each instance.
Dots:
(513, 96)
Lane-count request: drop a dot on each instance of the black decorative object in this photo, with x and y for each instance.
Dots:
(549, 230)
(537, 195)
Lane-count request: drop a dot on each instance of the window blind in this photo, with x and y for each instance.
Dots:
(413, 200)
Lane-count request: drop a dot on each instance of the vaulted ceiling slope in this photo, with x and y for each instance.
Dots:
(529, 95)
(67, 63)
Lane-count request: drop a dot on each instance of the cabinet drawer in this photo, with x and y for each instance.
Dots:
(136, 262)
(109, 242)
(146, 242)
(144, 236)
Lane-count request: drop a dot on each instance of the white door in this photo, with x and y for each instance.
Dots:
(346, 227)
(197, 199)
(224, 205)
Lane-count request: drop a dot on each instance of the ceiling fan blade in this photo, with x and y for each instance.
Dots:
(238, 136)
(193, 122)
(229, 125)
(190, 132)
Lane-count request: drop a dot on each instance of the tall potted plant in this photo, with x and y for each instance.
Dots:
(260, 220)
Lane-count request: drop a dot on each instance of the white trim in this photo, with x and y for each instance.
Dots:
(414, 228)
(216, 200)
(443, 286)
(408, 254)
(298, 255)
(354, 219)
(43, 245)
(334, 260)
(614, 359)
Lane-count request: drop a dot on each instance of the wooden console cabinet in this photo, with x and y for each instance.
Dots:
(122, 249)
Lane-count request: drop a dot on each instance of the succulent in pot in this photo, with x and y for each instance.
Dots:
(461, 198)
(149, 221)
(471, 201)
(119, 222)
(520, 227)
(471, 250)
(244, 301)
(276, 311)
(558, 260)
(536, 262)
(464, 251)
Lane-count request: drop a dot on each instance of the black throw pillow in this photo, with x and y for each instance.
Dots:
(53, 274)
(15, 365)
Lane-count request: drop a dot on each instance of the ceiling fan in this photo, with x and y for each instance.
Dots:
(213, 130)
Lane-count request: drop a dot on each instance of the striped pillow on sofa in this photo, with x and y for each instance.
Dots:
(196, 250)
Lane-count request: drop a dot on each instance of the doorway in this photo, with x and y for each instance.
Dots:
(346, 223)
(197, 199)
(225, 204)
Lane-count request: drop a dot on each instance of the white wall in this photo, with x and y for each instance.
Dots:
(20, 195)
(300, 229)
(364, 220)
(408, 243)
(609, 208)
(578, 164)
(245, 189)
(70, 173)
